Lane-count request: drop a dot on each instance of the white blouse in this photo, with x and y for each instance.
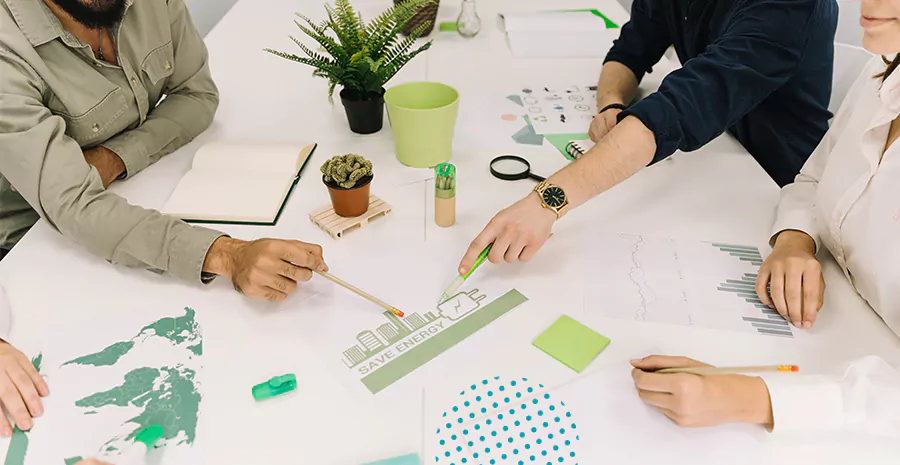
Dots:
(847, 197)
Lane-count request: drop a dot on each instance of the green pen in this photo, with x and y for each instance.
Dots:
(462, 278)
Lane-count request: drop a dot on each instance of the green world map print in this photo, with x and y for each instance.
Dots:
(149, 378)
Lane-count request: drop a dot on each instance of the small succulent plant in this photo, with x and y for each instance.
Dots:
(346, 170)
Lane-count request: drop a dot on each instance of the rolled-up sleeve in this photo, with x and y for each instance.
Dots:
(191, 100)
(757, 53)
(643, 39)
(49, 171)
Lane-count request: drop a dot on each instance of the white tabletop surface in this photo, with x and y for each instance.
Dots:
(717, 193)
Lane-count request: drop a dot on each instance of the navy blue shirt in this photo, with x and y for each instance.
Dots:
(760, 69)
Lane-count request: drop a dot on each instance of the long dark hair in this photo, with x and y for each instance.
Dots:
(891, 66)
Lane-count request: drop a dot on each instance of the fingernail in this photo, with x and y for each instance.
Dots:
(807, 325)
(636, 360)
(462, 270)
(26, 425)
(321, 267)
(6, 433)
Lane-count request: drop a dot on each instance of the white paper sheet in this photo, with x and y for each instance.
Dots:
(555, 109)
(688, 283)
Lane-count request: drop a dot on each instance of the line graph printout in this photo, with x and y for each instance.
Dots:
(689, 283)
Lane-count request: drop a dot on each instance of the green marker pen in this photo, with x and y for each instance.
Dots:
(462, 278)
(276, 386)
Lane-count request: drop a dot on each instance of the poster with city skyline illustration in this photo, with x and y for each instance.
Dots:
(371, 349)
(386, 351)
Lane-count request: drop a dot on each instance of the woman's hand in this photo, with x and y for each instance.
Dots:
(791, 279)
(701, 400)
(21, 389)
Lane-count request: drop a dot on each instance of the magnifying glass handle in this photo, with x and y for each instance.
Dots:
(536, 177)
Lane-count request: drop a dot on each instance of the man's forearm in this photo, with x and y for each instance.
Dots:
(617, 84)
(108, 164)
(627, 149)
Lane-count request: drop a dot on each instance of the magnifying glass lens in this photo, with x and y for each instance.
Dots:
(510, 167)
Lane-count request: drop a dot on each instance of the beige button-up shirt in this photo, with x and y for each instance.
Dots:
(56, 99)
(847, 197)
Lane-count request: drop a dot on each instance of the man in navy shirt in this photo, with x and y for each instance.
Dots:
(760, 69)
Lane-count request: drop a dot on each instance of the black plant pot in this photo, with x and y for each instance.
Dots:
(365, 111)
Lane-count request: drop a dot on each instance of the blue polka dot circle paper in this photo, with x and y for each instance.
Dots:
(503, 422)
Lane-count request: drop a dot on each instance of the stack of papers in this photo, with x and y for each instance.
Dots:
(559, 34)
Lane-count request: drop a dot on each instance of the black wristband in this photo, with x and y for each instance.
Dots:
(617, 106)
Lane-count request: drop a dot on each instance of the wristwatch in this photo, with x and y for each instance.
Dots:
(552, 197)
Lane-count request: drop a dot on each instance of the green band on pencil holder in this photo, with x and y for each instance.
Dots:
(445, 181)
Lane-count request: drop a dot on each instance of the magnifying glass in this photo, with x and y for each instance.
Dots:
(513, 168)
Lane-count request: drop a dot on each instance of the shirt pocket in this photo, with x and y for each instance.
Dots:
(89, 113)
(159, 63)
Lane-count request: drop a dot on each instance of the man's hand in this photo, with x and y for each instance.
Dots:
(701, 400)
(107, 163)
(266, 269)
(21, 389)
(517, 233)
(791, 279)
(603, 123)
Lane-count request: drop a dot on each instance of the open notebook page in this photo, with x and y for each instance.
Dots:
(237, 182)
(246, 157)
(250, 197)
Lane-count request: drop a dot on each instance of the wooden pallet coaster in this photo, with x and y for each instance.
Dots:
(336, 226)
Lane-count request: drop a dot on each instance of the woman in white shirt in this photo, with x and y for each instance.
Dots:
(846, 198)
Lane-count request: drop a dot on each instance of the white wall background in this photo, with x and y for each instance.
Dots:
(207, 13)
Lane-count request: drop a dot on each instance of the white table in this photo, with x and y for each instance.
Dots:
(718, 193)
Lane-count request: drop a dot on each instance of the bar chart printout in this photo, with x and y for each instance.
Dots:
(688, 283)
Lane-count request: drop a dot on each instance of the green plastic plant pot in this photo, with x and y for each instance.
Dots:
(422, 117)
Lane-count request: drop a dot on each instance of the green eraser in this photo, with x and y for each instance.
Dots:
(275, 387)
(572, 343)
(448, 26)
(410, 459)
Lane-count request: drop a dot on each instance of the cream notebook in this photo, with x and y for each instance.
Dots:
(238, 183)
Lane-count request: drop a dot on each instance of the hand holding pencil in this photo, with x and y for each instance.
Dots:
(698, 400)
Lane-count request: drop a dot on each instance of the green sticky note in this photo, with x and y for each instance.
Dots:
(411, 459)
(572, 343)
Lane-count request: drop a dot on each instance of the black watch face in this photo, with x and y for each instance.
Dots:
(554, 197)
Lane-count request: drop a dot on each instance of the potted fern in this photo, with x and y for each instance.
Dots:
(360, 57)
(348, 178)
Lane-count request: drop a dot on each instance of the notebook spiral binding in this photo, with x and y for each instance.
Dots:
(575, 150)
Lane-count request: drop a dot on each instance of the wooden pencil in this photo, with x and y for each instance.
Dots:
(732, 370)
(360, 292)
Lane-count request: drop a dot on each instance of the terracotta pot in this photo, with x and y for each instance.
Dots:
(350, 202)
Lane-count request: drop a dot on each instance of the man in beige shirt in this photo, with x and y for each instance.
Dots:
(92, 91)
